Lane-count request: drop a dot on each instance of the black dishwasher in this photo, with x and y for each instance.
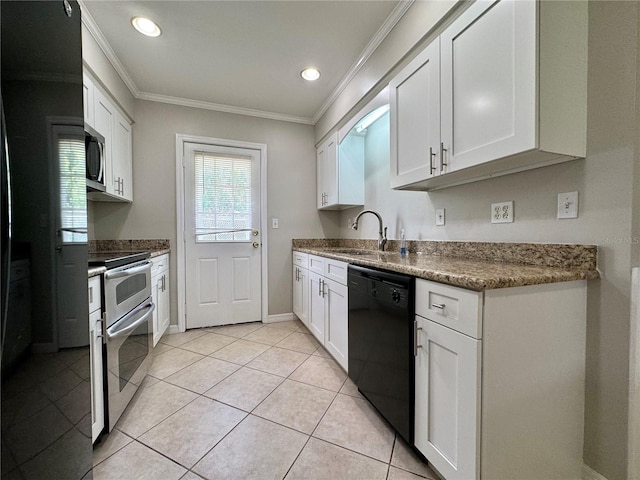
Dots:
(381, 361)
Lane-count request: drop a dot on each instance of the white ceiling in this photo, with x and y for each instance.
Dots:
(242, 55)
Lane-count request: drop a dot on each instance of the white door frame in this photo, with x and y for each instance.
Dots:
(181, 139)
(633, 453)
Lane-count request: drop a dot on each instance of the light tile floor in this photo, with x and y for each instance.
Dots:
(251, 401)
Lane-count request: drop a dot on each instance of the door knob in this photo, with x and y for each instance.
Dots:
(255, 233)
(256, 244)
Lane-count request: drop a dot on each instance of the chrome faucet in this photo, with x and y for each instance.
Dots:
(382, 234)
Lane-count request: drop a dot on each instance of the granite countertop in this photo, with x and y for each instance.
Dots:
(474, 265)
(154, 246)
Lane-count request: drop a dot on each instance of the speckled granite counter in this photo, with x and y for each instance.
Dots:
(473, 265)
(154, 246)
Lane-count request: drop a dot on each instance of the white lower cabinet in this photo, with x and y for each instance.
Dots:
(328, 305)
(500, 380)
(95, 354)
(161, 296)
(447, 399)
(301, 287)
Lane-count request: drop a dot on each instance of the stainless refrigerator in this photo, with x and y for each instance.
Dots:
(45, 392)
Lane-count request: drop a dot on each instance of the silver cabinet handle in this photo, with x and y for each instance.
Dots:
(324, 292)
(439, 306)
(431, 155)
(415, 338)
(442, 162)
(319, 288)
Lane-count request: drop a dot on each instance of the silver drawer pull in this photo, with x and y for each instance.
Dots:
(439, 306)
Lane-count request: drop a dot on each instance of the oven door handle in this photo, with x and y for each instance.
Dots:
(131, 321)
(129, 271)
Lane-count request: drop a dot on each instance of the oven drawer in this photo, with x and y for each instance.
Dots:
(453, 307)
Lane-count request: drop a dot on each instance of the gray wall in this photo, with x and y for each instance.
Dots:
(290, 196)
(605, 180)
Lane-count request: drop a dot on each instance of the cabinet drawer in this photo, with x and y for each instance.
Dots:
(316, 264)
(160, 264)
(95, 294)
(453, 307)
(336, 270)
(301, 259)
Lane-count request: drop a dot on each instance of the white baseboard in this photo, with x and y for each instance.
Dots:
(589, 473)
(173, 329)
(280, 317)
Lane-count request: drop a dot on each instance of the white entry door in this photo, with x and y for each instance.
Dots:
(222, 237)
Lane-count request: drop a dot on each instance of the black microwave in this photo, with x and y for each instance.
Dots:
(94, 151)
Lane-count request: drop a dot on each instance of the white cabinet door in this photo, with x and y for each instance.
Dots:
(104, 124)
(327, 158)
(297, 292)
(87, 101)
(155, 297)
(301, 294)
(447, 400)
(97, 393)
(414, 97)
(160, 296)
(96, 357)
(122, 158)
(336, 314)
(316, 306)
(488, 64)
(164, 304)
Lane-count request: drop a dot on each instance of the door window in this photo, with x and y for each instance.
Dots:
(223, 198)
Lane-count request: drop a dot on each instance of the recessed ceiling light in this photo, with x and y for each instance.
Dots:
(146, 27)
(310, 74)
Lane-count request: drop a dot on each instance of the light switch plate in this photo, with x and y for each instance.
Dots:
(439, 216)
(502, 212)
(568, 205)
(274, 223)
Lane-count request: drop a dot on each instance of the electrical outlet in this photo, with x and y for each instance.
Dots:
(439, 216)
(274, 223)
(568, 205)
(502, 212)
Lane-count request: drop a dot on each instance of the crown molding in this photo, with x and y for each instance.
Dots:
(218, 107)
(391, 21)
(103, 43)
(393, 18)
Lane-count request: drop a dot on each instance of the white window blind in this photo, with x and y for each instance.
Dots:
(222, 198)
(73, 197)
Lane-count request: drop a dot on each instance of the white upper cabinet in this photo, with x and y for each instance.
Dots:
(512, 95)
(87, 100)
(101, 113)
(340, 173)
(341, 158)
(414, 97)
(122, 159)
